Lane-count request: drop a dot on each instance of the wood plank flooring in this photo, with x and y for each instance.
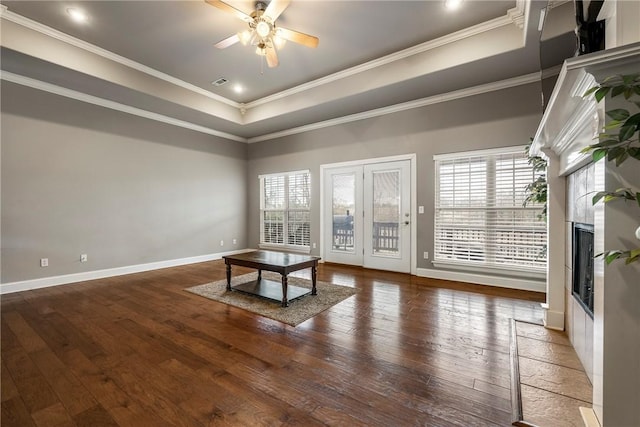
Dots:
(138, 350)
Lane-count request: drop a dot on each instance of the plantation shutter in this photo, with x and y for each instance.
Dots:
(285, 204)
(480, 220)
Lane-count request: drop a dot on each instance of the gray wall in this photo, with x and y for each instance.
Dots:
(77, 178)
(496, 119)
(616, 297)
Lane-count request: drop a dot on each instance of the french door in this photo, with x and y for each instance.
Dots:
(367, 215)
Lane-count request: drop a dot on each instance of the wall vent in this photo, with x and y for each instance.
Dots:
(220, 81)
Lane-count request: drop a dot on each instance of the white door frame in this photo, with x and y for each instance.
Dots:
(414, 199)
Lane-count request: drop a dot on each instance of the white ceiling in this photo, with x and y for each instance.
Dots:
(158, 57)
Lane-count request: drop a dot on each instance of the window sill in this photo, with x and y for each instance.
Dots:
(289, 248)
(501, 271)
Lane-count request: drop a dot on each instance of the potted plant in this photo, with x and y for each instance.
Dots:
(618, 143)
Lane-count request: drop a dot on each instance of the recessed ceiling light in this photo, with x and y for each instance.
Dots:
(77, 15)
(237, 88)
(452, 4)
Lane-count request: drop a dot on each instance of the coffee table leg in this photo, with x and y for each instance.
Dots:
(259, 275)
(285, 302)
(228, 277)
(313, 280)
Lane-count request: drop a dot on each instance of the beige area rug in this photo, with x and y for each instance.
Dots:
(299, 310)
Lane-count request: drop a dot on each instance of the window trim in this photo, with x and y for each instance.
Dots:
(522, 271)
(280, 246)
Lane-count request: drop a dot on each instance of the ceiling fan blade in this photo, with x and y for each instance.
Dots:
(272, 57)
(275, 8)
(298, 37)
(227, 42)
(230, 9)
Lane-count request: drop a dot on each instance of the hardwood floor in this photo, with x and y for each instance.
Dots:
(137, 350)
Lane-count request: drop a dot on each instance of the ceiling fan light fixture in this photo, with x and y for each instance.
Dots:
(261, 50)
(279, 42)
(244, 37)
(263, 29)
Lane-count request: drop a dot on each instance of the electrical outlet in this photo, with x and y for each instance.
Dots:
(84, 258)
(44, 262)
(221, 242)
(426, 255)
(314, 246)
(235, 241)
(420, 209)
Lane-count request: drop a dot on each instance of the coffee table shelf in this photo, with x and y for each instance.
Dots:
(271, 289)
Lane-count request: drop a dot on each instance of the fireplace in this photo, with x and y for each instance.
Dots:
(583, 266)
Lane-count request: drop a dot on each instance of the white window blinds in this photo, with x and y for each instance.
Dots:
(285, 209)
(480, 220)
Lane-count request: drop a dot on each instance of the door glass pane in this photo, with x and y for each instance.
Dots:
(386, 213)
(344, 201)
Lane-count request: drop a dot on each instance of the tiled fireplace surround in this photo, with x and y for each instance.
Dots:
(609, 344)
(580, 187)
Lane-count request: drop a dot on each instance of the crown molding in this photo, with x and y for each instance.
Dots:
(90, 99)
(79, 96)
(458, 94)
(66, 38)
(517, 14)
(513, 16)
(509, 19)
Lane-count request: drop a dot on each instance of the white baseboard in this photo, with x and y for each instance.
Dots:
(589, 417)
(553, 319)
(45, 282)
(483, 279)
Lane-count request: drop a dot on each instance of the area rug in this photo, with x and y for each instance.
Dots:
(299, 310)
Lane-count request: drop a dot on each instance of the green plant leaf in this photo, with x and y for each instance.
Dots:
(638, 199)
(599, 154)
(621, 158)
(607, 143)
(617, 90)
(614, 153)
(626, 132)
(601, 93)
(619, 114)
(587, 149)
(629, 79)
(590, 91)
(613, 124)
(597, 197)
(611, 256)
(633, 120)
(634, 152)
(633, 255)
(628, 92)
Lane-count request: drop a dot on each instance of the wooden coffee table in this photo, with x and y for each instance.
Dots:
(279, 262)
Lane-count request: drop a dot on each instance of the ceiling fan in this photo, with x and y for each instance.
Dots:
(262, 32)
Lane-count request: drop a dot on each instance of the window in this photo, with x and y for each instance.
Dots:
(285, 210)
(480, 221)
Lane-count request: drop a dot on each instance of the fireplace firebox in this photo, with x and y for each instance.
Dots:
(583, 265)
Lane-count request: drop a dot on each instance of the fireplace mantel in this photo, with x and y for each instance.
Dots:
(571, 121)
